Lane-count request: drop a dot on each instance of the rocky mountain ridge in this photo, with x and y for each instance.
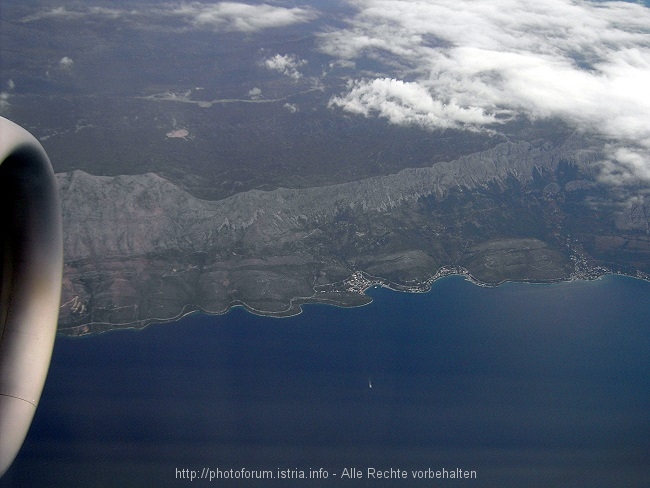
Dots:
(131, 215)
(140, 249)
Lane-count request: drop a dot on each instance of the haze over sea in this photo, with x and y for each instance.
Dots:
(528, 385)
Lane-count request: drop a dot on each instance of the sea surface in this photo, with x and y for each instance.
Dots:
(525, 385)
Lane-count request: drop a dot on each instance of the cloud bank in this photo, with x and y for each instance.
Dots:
(472, 65)
(220, 17)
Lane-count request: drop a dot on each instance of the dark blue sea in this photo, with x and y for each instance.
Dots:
(524, 385)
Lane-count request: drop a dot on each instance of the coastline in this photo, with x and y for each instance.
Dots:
(350, 293)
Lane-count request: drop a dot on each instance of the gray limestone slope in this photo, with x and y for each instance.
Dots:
(136, 215)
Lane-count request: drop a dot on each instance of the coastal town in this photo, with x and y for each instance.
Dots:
(360, 281)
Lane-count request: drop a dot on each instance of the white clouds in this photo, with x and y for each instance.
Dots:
(287, 65)
(625, 164)
(255, 93)
(408, 103)
(4, 100)
(232, 16)
(55, 13)
(62, 13)
(342, 63)
(291, 107)
(222, 16)
(65, 62)
(471, 64)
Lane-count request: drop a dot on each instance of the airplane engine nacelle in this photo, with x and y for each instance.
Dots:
(31, 263)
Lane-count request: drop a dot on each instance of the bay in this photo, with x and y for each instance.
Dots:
(525, 385)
